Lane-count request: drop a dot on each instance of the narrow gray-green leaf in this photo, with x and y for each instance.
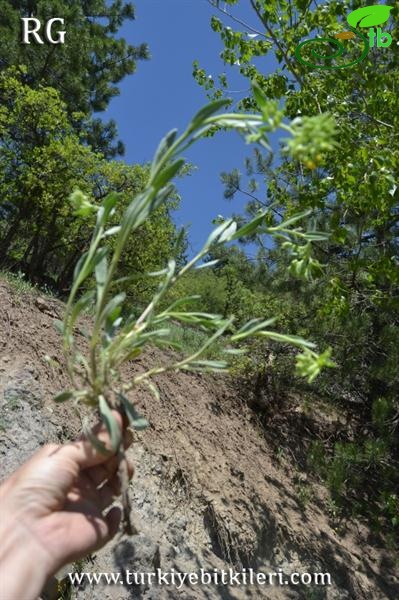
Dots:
(59, 326)
(293, 219)
(207, 111)
(114, 303)
(181, 301)
(288, 339)
(110, 423)
(64, 396)
(252, 327)
(81, 304)
(249, 228)
(216, 233)
(138, 422)
(95, 442)
(211, 263)
(259, 95)
(112, 231)
(316, 236)
(168, 173)
(79, 265)
(163, 147)
(101, 270)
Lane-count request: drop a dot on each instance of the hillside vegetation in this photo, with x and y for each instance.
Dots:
(216, 485)
(291, 458)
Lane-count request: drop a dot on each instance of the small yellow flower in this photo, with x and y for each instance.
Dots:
(310, 164)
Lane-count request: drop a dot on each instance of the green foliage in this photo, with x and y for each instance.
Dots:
(206, 290)
(118, 334)
(42, 160)
(189, 340)
(367, 464)
(86, 69)
(314, 137)
(351, 188)
(310, 365)
(17, 281)
(346, 295)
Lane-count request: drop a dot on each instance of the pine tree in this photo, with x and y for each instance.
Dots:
(86, 69)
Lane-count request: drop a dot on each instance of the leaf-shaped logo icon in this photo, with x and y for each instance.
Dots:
(369, 16)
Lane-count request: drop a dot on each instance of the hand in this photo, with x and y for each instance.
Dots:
(52, 512)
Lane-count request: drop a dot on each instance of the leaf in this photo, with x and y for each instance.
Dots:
(101, 270)
(95, 442)
(293, 219)
(156, 333)
(168, 173)
(64, 396)
(227, 234)
(133, 354)
(110, 423)
(233, 122)
(140, 208)
(80, 306)
(217, 233)
(208, 111)
(169, 344)
(114, 303)
(205, 319)
(79, 265)
(316, 236)
(369, 16)
(82, 270)
(153, 389)
(206, 365)
(161, 196)
(259, 95)
(106, 207)
(158, 273)
(163, 147)
(137, 421)
(235, 351)
(183, 300)
(210, 263)
(249, 228)
(295, 340)
(85, 332)
(251, 328)
(112, 231)
(110, 201)
(59, 325)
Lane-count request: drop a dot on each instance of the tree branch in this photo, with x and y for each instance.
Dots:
(237, 20)
(277, 43)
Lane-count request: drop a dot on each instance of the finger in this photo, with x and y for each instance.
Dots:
(85, 533)
(114, 484)
(95, 499)
(113, 520)
(128, 438)
(84, 453)
(106, 495)
(101, 473)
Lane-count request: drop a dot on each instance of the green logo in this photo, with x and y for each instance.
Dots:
(367, 16)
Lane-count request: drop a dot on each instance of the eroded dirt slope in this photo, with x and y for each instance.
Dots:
(210, 489)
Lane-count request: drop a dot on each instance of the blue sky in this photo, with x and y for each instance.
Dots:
(162, 94)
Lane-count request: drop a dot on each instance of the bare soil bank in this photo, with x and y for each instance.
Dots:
(212, 487)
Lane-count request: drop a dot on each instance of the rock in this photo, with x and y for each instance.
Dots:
(45, 306)
(26, 427)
